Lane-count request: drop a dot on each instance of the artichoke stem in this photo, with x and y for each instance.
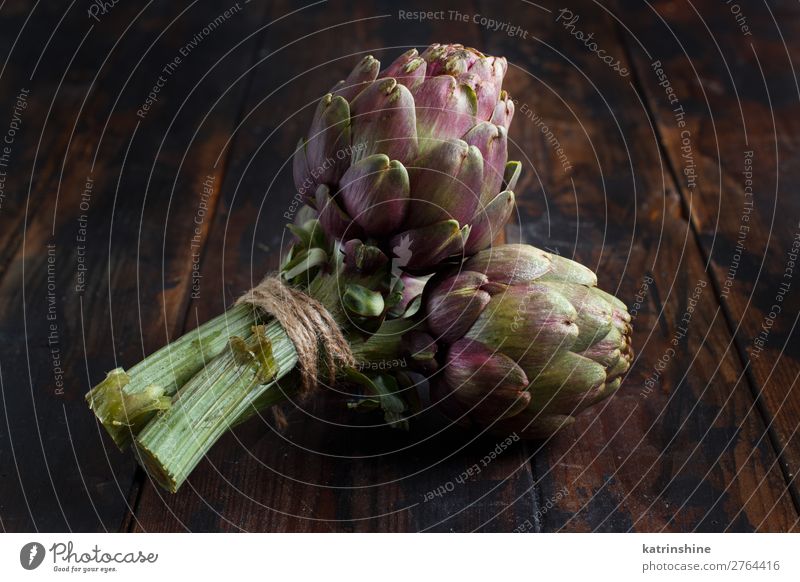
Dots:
(125, 401)
(234, 386)
(122, 412)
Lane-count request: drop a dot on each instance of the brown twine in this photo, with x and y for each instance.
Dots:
(308, 324)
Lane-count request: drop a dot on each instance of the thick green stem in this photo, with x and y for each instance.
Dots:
(239, 382)
(125, 401)
(122, 412)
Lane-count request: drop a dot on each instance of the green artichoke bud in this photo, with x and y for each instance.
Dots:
(414, 157)
(528, 340)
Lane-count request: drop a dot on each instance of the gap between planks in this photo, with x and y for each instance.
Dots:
(687, 215)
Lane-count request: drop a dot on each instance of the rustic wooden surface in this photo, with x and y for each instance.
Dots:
(711, 446)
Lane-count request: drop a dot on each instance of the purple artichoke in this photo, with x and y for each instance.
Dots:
(526, 340)
(413, 159)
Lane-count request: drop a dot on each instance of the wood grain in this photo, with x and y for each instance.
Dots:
(137, 253)
(742, 103)
(691, 453)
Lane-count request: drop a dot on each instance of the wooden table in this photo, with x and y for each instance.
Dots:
(662, 152)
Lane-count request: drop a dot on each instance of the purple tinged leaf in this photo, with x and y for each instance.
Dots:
(327, 148)
(395, 69)
(620, 309)
(503, 111)
(622, 365)
(594, 313)
(608, 350)
(499, 66)
(413, 288)
(489, 222)
(567, 385)
(421, 349)
(362, 259)
(453, 304)
(446, 184)
(487, 382)
(413, 74)
(445, 110)
(529, 323)
(333, 219)
(430, 245)
(485, 76)
(364, 73)
(384, 121)
(428, 53)
(374, 192)
(513, 264)
(567, 270)
(450, 59)
(492, 141)
(408, 69)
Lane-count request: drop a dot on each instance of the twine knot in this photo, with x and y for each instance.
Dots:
(308, 324)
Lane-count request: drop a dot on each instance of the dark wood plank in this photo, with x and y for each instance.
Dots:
(57, 76)
(689, 452)
(739, 90)
(28, 73)
(318, 476)
(147, 185)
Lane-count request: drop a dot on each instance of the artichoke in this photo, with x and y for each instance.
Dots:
(414, 158)
(526, 340)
